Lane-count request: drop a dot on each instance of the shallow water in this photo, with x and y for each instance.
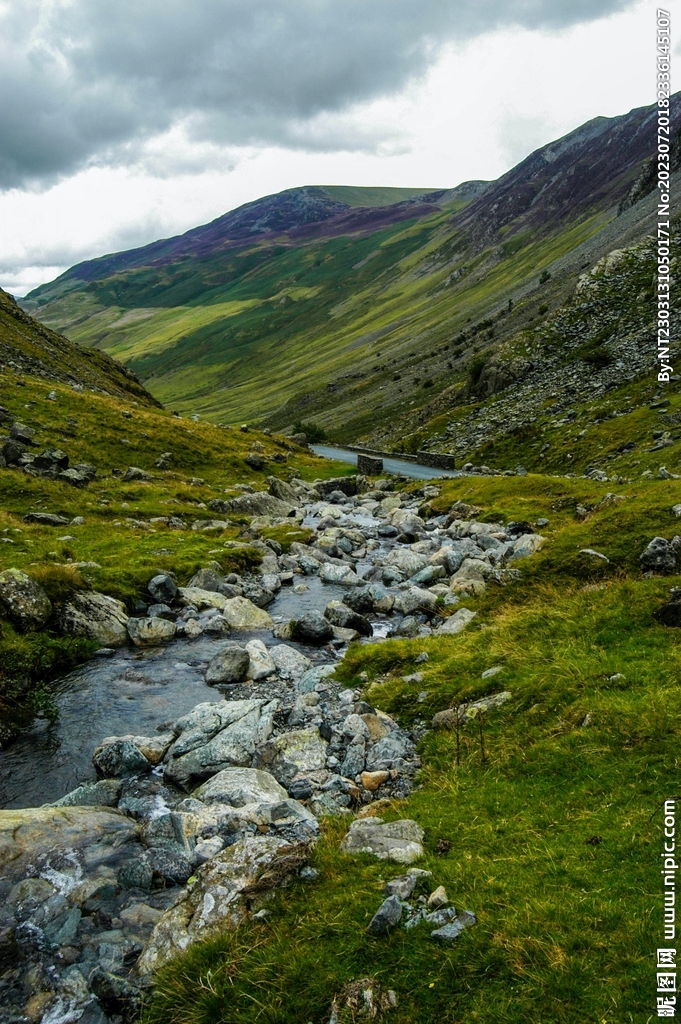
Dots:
(139, 691)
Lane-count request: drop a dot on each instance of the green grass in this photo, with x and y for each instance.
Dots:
(553, 842)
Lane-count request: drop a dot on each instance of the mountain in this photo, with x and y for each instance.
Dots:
(369, 311)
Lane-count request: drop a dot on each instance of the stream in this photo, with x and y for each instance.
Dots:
(137, 691)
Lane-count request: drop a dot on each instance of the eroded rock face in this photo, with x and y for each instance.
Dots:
(219, 898)
(23, 601)
(97, 617)
(400, 841)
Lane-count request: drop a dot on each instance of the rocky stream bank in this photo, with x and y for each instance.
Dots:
(184, 822)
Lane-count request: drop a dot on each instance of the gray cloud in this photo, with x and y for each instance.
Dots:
(90, 82)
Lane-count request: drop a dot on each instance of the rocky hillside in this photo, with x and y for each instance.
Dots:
(364, 319)
(28, 347)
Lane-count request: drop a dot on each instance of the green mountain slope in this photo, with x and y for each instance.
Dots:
(365, 318)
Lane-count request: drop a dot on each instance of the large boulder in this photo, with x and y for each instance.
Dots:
(210, 580)
(162, 588)
(260, 504)
(339, 614)
(119, 757)
(415, 600)
(240, 786)
(290, 663)
(34, 835)
(400, 841)
(240, 613)
(23, 601)
(261, 664)
(150, 632)
(282, 490)
(659, 556)
(342, 574)
(218, 899)
(408, 562)
(97, 616)
(230, 665)
(217, 736)
(312, 628)
(457, 622)
(291, 753)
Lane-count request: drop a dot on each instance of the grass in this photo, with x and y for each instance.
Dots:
(119, 546)
(553, 842)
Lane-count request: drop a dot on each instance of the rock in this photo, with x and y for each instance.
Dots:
(308, 682)
(21, 433)
(163, 588)
(408, 562)
(388, 915)
(593, 554)
(218, 900)
(372, 780)
(259, 504)
(213, 582)
(339, 614)
(282, 490)
(292, 753)
(135, 473)
(399, 841)
(33, 835)
(658, 557)
(290, 663)
(150, 632)
(240, 786)
(96, 616)
(116, 996)
(23, 601)
(438, 898)
(255, 461)
(104, 793)
(468, 711)
(525, 546)
(414, 599)
(457, 622)
(173, 867)
(230, 665)
(493, 671)
(240, 613)
(340, 574)
(51, 460)
(431, 573)
(402, 886)
(312, 628)
(261, 664)
(676, 510)
(119, 758)
(215, 736)
(453, 929)
(45, 519)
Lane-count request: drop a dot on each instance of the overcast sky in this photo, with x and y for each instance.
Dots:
(123, 121)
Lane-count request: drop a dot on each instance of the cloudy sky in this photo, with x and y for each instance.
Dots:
(123, 121)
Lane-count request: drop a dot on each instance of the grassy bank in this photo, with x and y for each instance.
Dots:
(552, 840)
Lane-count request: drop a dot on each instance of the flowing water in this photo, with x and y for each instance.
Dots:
(137, 691)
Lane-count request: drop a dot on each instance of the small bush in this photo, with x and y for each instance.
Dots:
(312, 431)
